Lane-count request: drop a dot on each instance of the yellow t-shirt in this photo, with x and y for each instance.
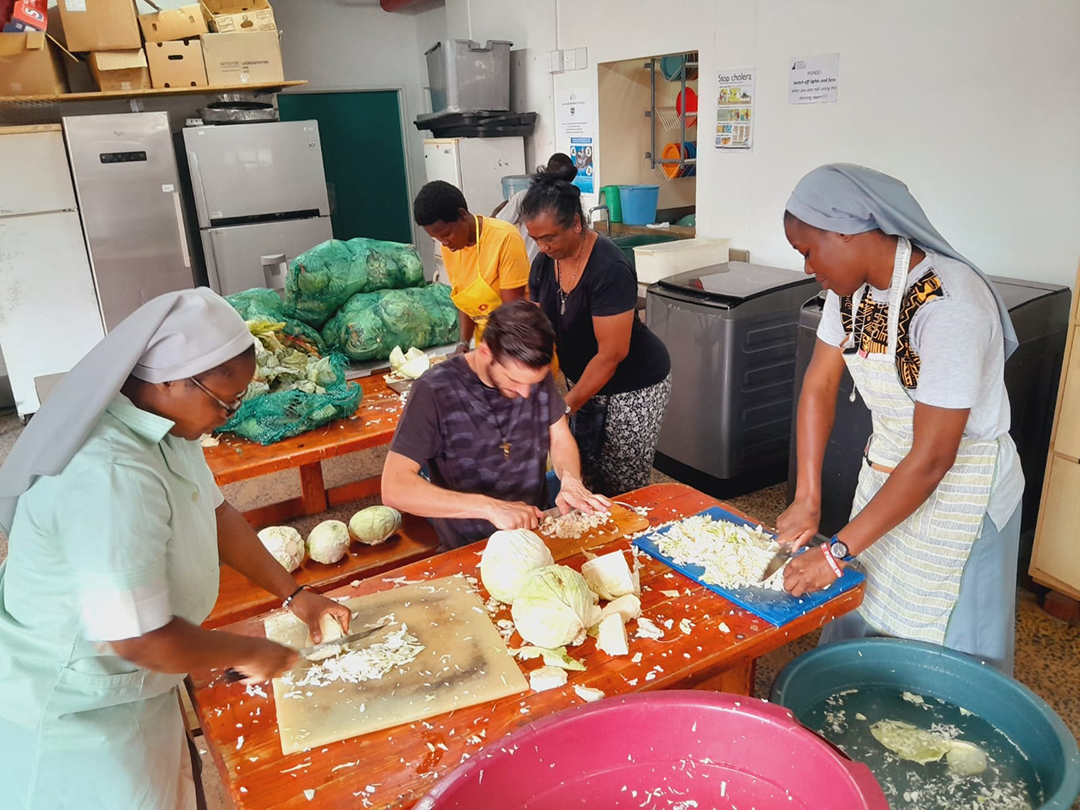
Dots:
(499, 258)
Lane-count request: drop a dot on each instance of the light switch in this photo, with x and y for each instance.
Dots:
(581, 58)
(556, 62)
(568, 60)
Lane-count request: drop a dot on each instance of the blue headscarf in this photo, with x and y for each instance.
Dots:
(849, 199)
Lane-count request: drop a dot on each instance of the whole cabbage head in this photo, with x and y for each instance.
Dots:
(285, 544)
(328, 541)
(554, 607)
(374, 525)
(509, 557)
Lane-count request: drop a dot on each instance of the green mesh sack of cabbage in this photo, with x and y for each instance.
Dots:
(370, 325)
(261, 304)
(322, 279)
(294, 389)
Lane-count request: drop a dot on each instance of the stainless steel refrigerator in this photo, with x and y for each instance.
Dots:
(126, 180)
(260, 199)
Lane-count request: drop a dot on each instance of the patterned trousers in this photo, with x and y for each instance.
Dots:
(617, 435)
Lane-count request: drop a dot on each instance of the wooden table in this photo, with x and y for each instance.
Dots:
(235, 459)
(401, 764)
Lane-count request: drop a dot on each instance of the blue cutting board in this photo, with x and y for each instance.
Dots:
(775, 607)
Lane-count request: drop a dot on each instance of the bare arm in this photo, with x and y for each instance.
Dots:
(513, 295)
(240, 549)
(814, 422)
(466, 326)
(405, 489)
(180, 646)
(567, 464)
(612, 345)
(937, 434)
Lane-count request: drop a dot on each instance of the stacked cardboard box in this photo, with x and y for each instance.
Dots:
(209, 43)
(242, 47)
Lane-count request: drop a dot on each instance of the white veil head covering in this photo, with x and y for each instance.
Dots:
(849, 199)
(172, 337)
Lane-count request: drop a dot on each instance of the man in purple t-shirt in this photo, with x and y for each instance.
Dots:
(484, 423)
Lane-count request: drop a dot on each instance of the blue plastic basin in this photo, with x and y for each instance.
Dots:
(927, 669)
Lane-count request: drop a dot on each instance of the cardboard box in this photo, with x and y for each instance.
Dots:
(242, 58)
(31, 64)
(236, 16)
(172, 24)
(100, 25)
(28, 15)
(176, 64)
(120, 70)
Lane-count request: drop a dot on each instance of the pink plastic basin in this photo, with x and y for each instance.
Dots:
(682, 750)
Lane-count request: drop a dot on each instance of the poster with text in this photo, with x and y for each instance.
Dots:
(577, 134)
(735, 109)
(814, 79)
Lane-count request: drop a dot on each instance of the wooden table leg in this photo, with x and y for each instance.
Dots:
(737, 679)
(312, 488)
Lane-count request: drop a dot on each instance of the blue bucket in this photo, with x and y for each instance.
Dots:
(928, 669)
(639, 204)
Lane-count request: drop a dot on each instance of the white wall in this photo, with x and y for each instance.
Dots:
(973, 103)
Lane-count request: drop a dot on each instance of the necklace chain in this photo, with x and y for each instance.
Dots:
(563, 294)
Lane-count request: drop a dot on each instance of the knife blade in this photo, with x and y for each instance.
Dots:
(784, 555)
(234, 676)
(326, 646)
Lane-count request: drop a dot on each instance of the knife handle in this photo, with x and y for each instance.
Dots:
(232, 676)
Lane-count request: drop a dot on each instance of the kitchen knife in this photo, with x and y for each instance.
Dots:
(785, 554)
(232, 676)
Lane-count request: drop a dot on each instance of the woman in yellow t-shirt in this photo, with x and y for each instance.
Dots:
(485, 258)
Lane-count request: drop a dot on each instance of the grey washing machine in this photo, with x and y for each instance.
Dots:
(731, 331)
(1040, 314)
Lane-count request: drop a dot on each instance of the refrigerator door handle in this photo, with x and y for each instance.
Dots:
(199, 191)
(180, 232)
(274, 268)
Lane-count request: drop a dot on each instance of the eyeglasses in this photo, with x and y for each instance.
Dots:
(229, 409)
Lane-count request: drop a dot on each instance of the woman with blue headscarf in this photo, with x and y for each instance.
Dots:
(116, 530)
(935, 524)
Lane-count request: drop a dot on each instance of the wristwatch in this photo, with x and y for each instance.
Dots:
(839, 548)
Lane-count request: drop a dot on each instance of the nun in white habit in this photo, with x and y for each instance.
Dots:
(116, 531)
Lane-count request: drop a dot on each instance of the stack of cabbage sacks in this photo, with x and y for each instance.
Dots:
(322, 279)
(369, 296)
(370, 325)
(295, 389)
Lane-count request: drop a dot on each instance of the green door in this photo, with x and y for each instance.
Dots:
(364, 158)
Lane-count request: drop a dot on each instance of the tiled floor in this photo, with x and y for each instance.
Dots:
(1046, 655)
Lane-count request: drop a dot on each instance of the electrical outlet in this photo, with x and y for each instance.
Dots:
(568, 60)
(581, 58)
(555, 62)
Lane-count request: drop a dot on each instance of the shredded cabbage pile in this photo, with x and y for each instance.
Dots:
(733, 556)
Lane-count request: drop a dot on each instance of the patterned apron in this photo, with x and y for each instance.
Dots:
(913, 572)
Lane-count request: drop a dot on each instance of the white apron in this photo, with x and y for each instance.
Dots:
(913, 572)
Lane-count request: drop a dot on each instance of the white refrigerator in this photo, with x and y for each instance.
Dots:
(260, 199)
(49, 315)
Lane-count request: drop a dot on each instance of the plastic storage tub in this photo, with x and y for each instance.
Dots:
(513, 183)
(464, 77)
(934, 671)
(654, 262)
(638, 204)
(661, 749)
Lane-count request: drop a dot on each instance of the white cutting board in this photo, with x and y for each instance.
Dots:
(464, 662)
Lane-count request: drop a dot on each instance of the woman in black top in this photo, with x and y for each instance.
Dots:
(618, 372)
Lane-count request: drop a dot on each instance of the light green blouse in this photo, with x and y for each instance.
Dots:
(121, 541)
